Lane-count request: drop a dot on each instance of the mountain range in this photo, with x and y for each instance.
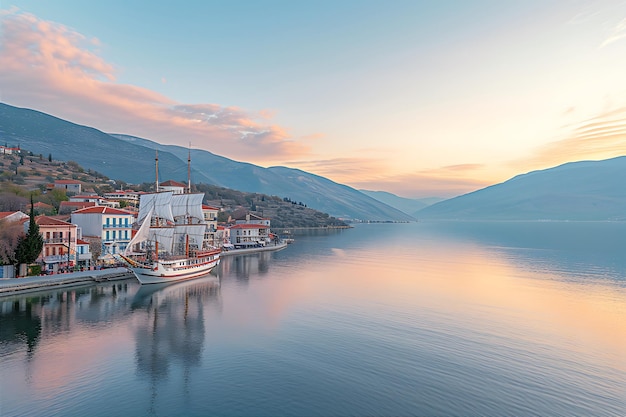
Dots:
(407, 205)
(131, 159)
(582, 191)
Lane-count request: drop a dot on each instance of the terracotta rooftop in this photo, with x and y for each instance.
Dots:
(249, 226)
(171, 183)
(67, 182)
(51, 221)
(102, 210)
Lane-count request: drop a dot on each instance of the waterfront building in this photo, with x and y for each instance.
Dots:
(112, 226)
(209, 214)
(59, 243)
(246, 235)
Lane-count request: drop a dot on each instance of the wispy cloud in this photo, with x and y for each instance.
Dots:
(618, 33)
(53, 68)
(600, 137)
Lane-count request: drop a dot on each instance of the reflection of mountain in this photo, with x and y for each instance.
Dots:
(173, 328)
(578, 249)
(46, 314)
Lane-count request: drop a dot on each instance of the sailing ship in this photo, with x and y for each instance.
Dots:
(170, 238)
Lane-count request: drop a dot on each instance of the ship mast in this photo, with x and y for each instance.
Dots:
(156, 164)
(189, 170)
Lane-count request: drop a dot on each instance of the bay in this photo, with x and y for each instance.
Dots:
(423, 319)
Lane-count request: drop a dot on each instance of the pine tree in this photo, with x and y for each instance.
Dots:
(30, 245)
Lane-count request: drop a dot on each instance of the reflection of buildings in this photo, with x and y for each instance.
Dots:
(29, 318)
(242, 266)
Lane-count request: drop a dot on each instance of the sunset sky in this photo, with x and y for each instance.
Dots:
(417, 98)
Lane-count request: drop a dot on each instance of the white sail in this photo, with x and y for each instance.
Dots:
(163, 235)
(195, 233)
(159, 203)
(187, 205)
(142, 234)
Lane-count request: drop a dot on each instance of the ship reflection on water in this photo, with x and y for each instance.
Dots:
(171, 329)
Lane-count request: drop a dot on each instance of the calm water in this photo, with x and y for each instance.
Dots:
(454, 319)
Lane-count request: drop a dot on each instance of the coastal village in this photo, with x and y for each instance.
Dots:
(90, 231)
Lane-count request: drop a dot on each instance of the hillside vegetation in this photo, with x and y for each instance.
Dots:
(131, 159)
(26, 174)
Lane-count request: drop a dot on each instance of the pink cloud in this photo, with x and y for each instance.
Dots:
(52, 68)
(369, 174)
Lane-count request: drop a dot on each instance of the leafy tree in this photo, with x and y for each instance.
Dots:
(29, 246)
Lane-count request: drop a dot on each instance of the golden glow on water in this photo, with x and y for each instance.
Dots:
(480, 288)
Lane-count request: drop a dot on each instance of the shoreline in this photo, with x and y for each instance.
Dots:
(11, 286)
(270, 248)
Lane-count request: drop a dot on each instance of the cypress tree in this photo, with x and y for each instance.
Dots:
(30, 245)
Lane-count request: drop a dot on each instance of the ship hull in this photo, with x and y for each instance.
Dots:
(176, 270)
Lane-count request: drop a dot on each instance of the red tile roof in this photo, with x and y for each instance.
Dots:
(171, 183)
(205, 207)
(249, 226)
(4, 214)
(67, 182)
(102, 210)
(50, 221)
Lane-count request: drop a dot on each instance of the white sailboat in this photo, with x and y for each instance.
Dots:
(170, 239)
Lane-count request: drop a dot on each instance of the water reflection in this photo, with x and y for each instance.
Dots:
(242, 267)
(571, 251)
(171, 329)
(27, 319)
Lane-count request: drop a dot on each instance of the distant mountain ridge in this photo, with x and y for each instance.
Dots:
(131, 159)
(409, 206)
(585, 190)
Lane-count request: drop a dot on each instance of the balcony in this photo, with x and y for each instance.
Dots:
(57, 258)
(58, 240)
(83, 256)
(116, 226)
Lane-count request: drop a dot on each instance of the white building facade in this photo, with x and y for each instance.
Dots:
(113, 226)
